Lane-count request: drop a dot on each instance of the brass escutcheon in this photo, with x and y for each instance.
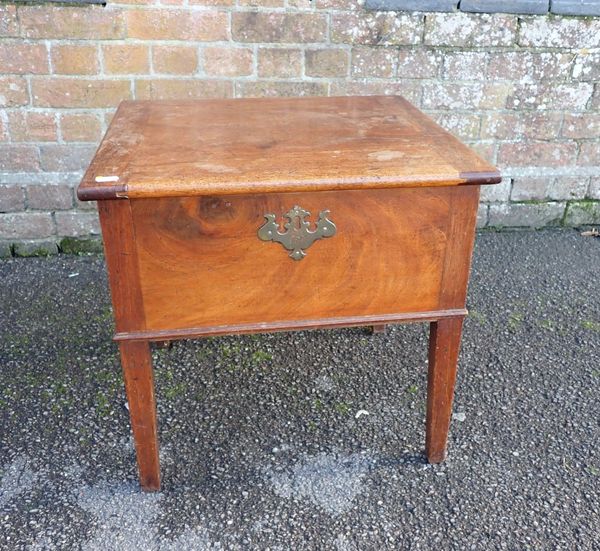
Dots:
(298, 235)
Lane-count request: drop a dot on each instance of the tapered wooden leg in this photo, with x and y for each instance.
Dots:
(139, 385)
(378, 329)
(444, 345)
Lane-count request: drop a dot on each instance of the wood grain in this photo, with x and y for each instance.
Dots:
(444, 346)
(202, 264)
(259, 145)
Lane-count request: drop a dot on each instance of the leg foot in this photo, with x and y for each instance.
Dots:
(139, 385)
(378, 329)
(444, 345)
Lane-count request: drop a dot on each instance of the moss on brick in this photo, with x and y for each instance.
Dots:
(35, 248)
(73, 245)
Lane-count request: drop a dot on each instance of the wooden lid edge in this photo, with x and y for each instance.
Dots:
(481, 178)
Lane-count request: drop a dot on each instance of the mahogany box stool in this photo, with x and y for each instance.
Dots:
(274, 214)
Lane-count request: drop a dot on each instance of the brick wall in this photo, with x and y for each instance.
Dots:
(523, 90)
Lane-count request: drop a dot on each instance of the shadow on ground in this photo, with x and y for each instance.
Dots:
(262, 446)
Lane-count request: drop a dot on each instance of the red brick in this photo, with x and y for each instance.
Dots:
(9, 25)
(374, 61)
(529, 189)
(271, 89)
(12, 198)
(75, 59)
(278, 27)
(26, 225)
(74, 92)
(51, 21)
(23, 58)
(261, 3)
(327, 62)
(537, 154)
(465, 65)
(485, 150)
(80, 127)
(3, 127)
(77, 224)
(516, 126)
(170, 59)
(126, 59)
(377, 29)
(549, 95)
(50, 197)
(19, 158)
(409, 90)
(581, 125)
(476, 95)
(212, 2)
(568, 188)
(66, 158)
(182, 89)
(589, 154)
(13, 91)
(419, 63)
(227, 62)
(32, 126)
(153, 24)
(464, 126)
(344, 5)
(279, 62)
(531, 66)
(587, 66)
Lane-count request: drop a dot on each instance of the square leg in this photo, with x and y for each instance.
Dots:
(444, 346)
(136, 361)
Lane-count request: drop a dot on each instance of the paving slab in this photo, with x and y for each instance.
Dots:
(309, 440)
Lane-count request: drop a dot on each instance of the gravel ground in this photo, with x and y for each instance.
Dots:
(262, 446)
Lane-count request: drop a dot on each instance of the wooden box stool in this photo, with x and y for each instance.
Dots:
(240, 216)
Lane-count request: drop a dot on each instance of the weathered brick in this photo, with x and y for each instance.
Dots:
(411, 5)
(451, 95)
(279, 62)
(374, 61)
(589, 154)
(26, 225)
(182, 89)
(6, 249)
(498, 193)
(537, 154)
(329, 62)
(261, 3)
(581, 125)
(522, 125)
(32, 126)
(594, 189)
(529, 189)
(549, 95)
(9, 25)
(174, 59)
(281, 88)
(376, 29)
(80, 127)
(50, 197)
(12, 198)
(587, 66)
(465, 29)
(505, 6)
(19, 158)
(157, 24)
(75, 92)
(301, 4)
(528, 215)
(75, 59)
(464, 126)
(93, 22)
(36, 247)
(529, 66)
(278, 27)
(465, 65)
(217, 3)
(409, 90)
(77, 224)
(419, 63)
(482, 216)
(13, 91)
(65, 158)
(564, 187)
(580, 213)
(126, 59)
(575, 7)
(227, 62)
(3, 127)
(485, 150)
(595, 103)
(20, 58)
(559, 32)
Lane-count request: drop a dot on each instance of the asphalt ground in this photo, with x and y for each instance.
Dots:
(262, 442)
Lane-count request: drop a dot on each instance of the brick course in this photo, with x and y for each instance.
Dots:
(522, 90)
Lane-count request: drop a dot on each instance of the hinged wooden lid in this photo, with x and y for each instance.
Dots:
(218, 147)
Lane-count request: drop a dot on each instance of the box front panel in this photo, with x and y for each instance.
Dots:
(202, 264)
